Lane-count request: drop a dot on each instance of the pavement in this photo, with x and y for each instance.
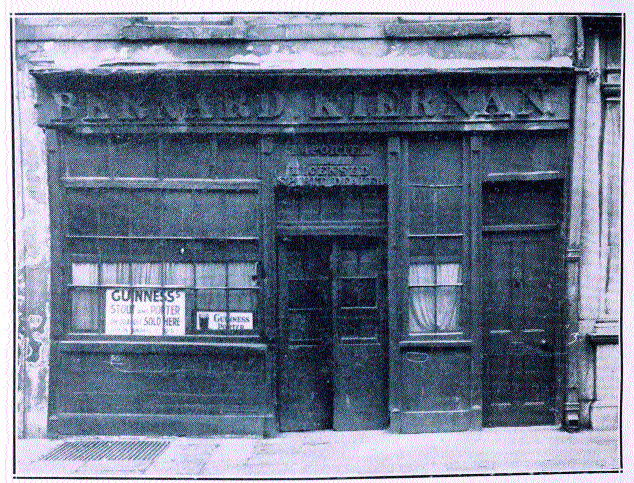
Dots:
(345, 454)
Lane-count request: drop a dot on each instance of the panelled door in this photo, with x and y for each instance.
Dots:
(332, 334)
(521, 315)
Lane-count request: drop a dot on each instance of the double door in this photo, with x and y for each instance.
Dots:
(332, 324)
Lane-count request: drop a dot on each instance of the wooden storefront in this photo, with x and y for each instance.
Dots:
(253, 253)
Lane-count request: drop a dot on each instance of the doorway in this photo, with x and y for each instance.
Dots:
(521, 317)
(332, 326)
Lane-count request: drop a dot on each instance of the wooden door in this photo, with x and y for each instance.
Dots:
(521, 314)
(360, 373)
(305, 311)
(333, 368)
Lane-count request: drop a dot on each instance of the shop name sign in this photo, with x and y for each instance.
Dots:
(433, 102)
(144, 311)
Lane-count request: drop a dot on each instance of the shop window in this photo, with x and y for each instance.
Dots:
(182, 156)
(163, 299)
(85, 297)
(436, 236)
(524, 152)
(84, 155)
(162, 213)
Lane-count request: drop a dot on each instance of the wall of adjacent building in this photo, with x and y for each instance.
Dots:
(596, 222)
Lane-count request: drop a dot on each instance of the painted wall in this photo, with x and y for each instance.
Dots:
(277, 42)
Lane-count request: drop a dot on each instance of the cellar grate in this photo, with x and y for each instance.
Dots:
(107, 450)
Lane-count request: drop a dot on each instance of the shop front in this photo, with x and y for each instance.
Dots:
(264, 252)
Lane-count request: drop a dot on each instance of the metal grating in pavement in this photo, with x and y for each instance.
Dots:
(107, 450)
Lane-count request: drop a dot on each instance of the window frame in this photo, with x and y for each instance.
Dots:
(433, 234)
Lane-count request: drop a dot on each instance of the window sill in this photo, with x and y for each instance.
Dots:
(412, 344)
(159, 346)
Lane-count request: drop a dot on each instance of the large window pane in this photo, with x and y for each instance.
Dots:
(449, 210)
(421, 309)
(179, 274)
(187, 156)
(83, 212)
(211, 300)
(134, 156)
(85, 155)
(420, 274)
(242, 300)
(422, 206)
(210, 275)
(447, 308)
(448, 274)
(242, 275)
(85, 310)
(85, 274)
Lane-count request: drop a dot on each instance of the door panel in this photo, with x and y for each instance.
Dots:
(520, 316)
(360, 367)
(305, 336)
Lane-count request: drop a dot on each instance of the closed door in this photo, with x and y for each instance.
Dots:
(521, 315)
(332, 343)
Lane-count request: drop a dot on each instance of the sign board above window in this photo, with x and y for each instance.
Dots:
(205, 101)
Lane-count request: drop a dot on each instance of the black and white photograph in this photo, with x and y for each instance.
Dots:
(328, 245)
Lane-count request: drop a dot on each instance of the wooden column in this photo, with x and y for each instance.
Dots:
(395, 273)
(475, 191)
(268, 272)
(59, 310)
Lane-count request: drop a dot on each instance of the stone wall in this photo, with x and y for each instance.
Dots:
(32, 259)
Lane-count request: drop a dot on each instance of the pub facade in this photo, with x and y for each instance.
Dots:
(252, 233)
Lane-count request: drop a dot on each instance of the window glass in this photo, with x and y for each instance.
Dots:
(146, 274)
(85, 310)
(179, 274)
(83, 212)
(85, 274)
(84, 155)
(209, 275)
(134, 156)
(421, 310)
(115, 273)
(242, 275)
(85, 301)
(434, 297)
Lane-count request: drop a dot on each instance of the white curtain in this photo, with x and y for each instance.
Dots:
(179, 274)
(421, 299)
(434, 298)
(146, 274)
(85, 274)
(210, 275)
(448, 275)
(115, 273)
